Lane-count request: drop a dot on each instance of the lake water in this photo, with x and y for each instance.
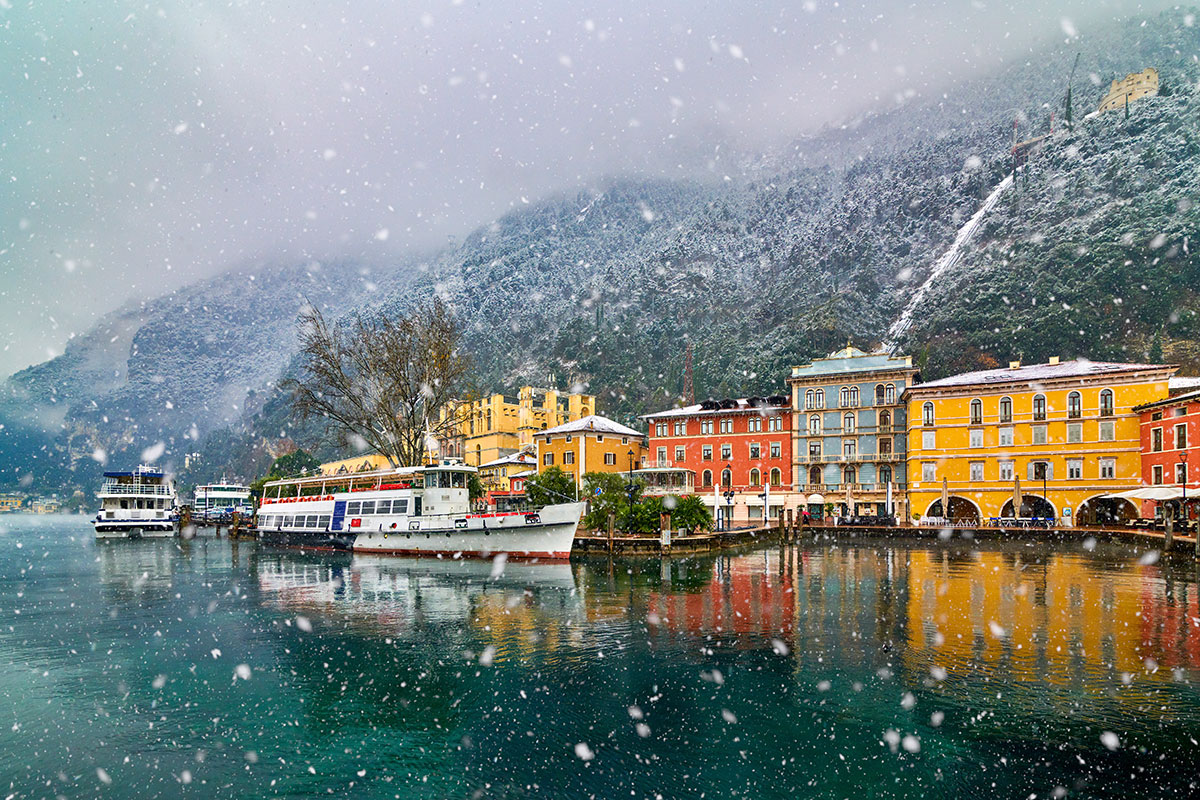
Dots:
(210, 668)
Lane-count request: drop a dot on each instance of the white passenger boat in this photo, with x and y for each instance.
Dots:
(221, 501)
(134, 504)
(408, 511)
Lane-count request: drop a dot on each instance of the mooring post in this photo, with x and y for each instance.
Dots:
(791, 523)
(1168, 534)
(612, 524)
(779, 524)
(235, 531)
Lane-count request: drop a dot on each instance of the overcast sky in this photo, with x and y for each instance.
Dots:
(145, 145)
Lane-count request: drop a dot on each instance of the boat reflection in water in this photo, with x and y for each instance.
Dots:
(498, 598)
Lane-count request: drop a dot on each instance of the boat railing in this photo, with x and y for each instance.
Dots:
(135, 488)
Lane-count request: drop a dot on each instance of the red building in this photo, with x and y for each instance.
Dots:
(718, 446)
(1170, 438)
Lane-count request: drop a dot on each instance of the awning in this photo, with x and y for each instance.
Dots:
(1149, 493)
(815, 499)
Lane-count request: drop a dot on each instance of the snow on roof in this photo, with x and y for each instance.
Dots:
(1079, 368)
(521, 458)
(593, 423)
(773, 403)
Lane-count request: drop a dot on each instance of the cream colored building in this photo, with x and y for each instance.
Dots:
(1133, 86)
(498, 425)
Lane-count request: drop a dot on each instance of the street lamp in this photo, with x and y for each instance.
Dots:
(1183, 461)
(729, 498)
(629, 524)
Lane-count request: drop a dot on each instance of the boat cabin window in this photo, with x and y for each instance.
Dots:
(324, 521)
(287, 521)
(368, 507)
(354, 507)
(400, 506)
(124, 503)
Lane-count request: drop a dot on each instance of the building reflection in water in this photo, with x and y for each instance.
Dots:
(1051, 617)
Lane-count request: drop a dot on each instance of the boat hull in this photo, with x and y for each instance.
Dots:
(134, 529)
(545, 534)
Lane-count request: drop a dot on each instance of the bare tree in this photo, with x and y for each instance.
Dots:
(382, 380)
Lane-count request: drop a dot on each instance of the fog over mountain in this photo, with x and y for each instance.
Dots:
(148, 147)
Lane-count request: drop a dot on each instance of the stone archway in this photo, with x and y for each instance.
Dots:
(1032, 505)
(1100, 510)
(961, 510)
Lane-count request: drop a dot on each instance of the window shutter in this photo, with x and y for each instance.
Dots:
(1029, 469)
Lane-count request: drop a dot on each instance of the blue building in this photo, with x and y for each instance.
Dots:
(848, 432)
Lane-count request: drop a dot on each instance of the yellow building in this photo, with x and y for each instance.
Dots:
(497, 426)
(1066, 431)
(591, 444)
(10, 501)
(1133, 86)
(364, 463)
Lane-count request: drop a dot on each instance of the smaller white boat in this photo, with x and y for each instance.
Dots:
(219, 501)
(135, 504)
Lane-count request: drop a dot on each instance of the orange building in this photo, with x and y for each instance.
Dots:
(591, 444)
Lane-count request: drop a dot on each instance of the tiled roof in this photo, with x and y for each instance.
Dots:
(698, 409)
(591, 424)
(851, 359)
(1079, 368)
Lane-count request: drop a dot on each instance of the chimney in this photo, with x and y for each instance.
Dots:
(1014, 365)
(1053, 360)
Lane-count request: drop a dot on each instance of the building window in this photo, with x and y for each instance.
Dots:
(1039, 407)
(849, 475)
(1108, 468)
(1156, 440)
(547, 459)
(1006, 437)
(809, 398)
(1108, 431)
(1106, 403)
(776, 476)
(706, 452)
(885, 447)
(706, 426)
(755, 450)
(819, 399)
(850, 448)
(814, 476)
(1158, 475)
(706, 478)
(1039, 434)
(854, 397)
(1006, 409)
(814, 451)
(814, 425)
(726, 451)
(928, 440)
(1074, 432)
(889, 394)
(681, 428)
(976, 412)
(1006, 470)
(1181, 436)
(848, 423)
(754, 477)
(976, 437)
(1074, 405)
(662, 455)
(976, 471)
(569, 457)
(927, 414)
(660, 429)
(1040, 471)
(1181, 473)
(885, 421)
(610, 459)
(726, 477)
(726, 426)
(755, 424)
(680, 454)
(928, 471)
(624, 439)
(879, 394)
(776, 450)
(775, 423)
(1075, 469)
(885, 475)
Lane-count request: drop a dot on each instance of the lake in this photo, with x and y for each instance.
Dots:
(850, 669)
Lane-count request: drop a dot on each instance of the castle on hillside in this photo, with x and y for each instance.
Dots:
(1133, 86)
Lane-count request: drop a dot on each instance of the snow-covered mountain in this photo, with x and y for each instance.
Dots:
(760, 265)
